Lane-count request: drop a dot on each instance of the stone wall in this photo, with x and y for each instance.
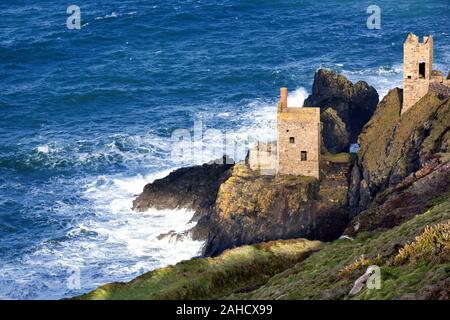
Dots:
(262, 157)
(415, 85)
(298, 129)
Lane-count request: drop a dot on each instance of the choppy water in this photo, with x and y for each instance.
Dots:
(86, 115)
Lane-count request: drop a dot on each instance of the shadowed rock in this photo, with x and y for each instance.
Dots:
(354, 104)
(192, 188)
(403, 162)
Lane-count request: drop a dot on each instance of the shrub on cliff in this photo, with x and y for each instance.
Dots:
(433, 243)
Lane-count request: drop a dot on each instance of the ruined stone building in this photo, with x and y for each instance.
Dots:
(418, 73)
(262, 157)
(297, 149)
(298, 139)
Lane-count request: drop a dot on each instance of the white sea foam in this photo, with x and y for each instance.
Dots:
(43, 149)
(107, 16)
(382, 78)
(113, 243)
(297, 97)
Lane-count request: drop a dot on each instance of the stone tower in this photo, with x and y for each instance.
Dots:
(417, 69)
(298, 139)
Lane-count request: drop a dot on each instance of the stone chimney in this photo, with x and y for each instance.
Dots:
(283, 98)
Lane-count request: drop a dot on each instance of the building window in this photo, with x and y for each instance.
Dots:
(291, 140)
(421, 70)
(303, 155)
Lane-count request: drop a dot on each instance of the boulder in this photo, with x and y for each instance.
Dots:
(335, 136)
(354, 104)
(191, 187)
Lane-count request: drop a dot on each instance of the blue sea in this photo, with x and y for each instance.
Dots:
(86, 115)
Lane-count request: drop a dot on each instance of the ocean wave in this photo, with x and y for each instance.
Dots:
(297, 97)
(114, 14)
(107, 16)
(382, 78)
(114, 244)
(118, 149)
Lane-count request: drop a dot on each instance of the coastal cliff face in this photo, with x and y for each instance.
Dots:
(251, 208)
(402, 163)
(192, 188)
(236, 206)
(353, 105)
(391, 200)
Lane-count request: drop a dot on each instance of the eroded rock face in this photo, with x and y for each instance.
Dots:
(354, 104)
(403, 162)
(412, 196)
(192, 188)
(251, 208)
(335, 137)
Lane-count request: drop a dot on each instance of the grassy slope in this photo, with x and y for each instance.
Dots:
(286, 269)
(331, 272)
(237, 269)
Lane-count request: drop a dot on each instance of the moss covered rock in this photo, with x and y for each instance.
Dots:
(403, 162)
(251, 208)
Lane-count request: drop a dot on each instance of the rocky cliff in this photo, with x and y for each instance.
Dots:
(351, 106)
(403, 162)
(391, 201)
(235, 205)
(251, 208)
(191, 187)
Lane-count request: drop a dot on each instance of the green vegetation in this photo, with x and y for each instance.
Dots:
(413, 258)
(331, 272)
(433, 242)
(239, 269)
(388, 138)
(342, 157)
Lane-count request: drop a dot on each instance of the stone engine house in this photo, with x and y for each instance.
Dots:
(418, 73)
(298, 139)
(297, 149)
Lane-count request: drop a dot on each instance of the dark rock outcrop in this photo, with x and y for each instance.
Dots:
(191, 187)
(354, 105)
(412, 196)
(251, 208)
(335, 137)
